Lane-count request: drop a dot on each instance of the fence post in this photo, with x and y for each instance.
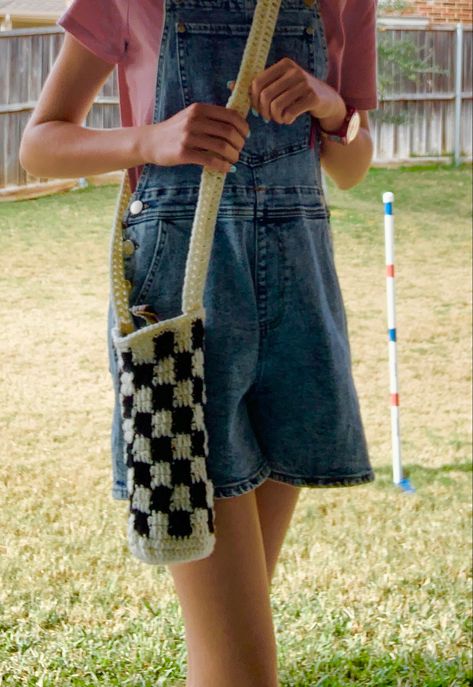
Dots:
(458, 93)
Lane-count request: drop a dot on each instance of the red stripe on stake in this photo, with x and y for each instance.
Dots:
(394, 399)
(390, 270)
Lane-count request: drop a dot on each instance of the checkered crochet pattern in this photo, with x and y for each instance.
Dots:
(162, 398)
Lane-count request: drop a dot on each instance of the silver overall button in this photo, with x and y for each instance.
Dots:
(310, 30)
(136, 207)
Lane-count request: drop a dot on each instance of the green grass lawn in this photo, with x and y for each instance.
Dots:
(373, 586)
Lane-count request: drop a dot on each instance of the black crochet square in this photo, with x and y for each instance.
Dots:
(197, 442)
(163, 345)
(179, 524)
(127, 406)
(197, 390)
(198, 495)
(197, 334)
(161, 499)
(183, 365)
(141, 522)
(141, 475)
(143, 424)
(161, 449)
(182, 419)
(162, 396)
(143, 374)
(181, 471)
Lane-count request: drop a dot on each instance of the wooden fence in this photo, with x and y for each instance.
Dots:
(437, 104)
(437, 107)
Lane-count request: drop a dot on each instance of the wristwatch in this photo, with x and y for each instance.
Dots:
(348, 130)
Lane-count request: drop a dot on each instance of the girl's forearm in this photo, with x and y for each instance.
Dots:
(347, 165)
(58, 149)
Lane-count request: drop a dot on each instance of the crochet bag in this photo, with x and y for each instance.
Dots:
(161, 369)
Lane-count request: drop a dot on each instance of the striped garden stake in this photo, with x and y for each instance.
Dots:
(398, 478)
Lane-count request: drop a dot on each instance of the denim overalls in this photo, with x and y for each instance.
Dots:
(281, 400)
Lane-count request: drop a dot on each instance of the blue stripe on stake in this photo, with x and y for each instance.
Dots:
(388, 208)
(392, 334)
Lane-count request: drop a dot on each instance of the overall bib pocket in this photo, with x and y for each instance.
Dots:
(223, 44)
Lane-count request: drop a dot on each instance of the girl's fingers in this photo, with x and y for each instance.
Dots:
(206, 159)
(222, 114)
(214, 145)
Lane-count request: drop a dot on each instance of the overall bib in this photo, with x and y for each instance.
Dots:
(281, 399)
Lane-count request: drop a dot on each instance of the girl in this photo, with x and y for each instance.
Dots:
(282, 410)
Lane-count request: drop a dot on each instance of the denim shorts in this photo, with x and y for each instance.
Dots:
(281, 399)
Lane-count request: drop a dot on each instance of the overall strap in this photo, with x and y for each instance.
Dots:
(118, 285)
(211, 185)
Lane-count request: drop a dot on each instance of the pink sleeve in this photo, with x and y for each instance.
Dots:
(100, 25)
(358, 74)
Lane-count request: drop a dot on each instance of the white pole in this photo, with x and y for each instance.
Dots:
(388, 198)
(458, 93)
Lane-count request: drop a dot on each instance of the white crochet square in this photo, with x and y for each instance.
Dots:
(183, 393)
(199, 418)
(181, 498)
(198, 363)
(182, 446)
(158, 523)
(141, 449)
(198, 469)
(161, 423)
(160, 474)
(127, 386)
(183, 338)
(199, 522)
(128, 429)
(130, 478)
(144, 399)
(141, 499)
(163, 372)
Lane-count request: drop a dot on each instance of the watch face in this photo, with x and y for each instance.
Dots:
(353, 127)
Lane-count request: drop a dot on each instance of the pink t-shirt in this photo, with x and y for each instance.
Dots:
(129, 34)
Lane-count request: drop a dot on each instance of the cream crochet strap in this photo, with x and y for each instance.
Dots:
(211, 185)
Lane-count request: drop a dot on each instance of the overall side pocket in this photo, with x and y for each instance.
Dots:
(159, 261)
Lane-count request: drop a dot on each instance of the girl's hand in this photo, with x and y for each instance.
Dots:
(284, 91)
(202, 134)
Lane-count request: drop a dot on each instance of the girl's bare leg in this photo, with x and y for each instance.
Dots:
(276, 504)
(225, 597)
(226, 605)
